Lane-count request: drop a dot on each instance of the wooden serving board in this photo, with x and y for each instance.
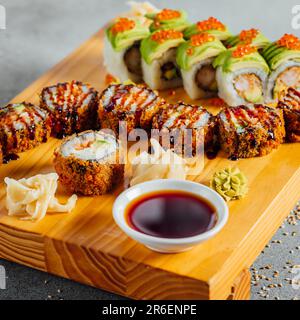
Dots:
(88, 247)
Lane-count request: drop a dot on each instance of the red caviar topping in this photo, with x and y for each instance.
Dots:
(248, 35)
(164, 35)
(243, 50)
(215, 102)
(190, 51)
(110, 79)
(168, 14)
(123, 24)
(210, 24)
(199, 39)
(289, 41)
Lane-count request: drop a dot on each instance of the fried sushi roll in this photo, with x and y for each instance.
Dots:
(88, 163)
(250, 131)
(134, 104)
(168, 19)
(1, 156)
(175, 119)
(290, 104)
(283, 57)
(72, 107)
(211, 26)
(122, 56)
(23, 126)
(251, 36)
(195, 58)
(159, 64)
(242, 75)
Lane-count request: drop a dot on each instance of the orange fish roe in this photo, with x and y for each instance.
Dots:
(248, 35)
(243, 50)
(216, 102)
(190, 51)
(110, 79)
(199, 39)
(289, 41)
(210, 24)
(122, 24)
(164, 35)
(168, 14)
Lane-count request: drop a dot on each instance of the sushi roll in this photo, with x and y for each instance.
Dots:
(168, 19)
(134, 104)
(23, 126)
(122, 56)
(283, 57)
(178, 117)
(72, 107)
(211, 26)
(195, 58)
(242, 75)
(250, 131)
(289, 102)
(159, 65)
(251, 36)
(88, 163)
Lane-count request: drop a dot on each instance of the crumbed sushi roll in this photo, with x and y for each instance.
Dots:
(134, 104)
(122, 56)
(283, 58)
(241, 75)
(211, 26)
(1, 156)
(251, 36)
(195, 58)
(168, 19)
(250, 131)
(72, 107)
(159, 65)
(289, 102)
(176, 118)
(88, 163)
(23, 126)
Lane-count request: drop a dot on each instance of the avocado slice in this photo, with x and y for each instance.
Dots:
(188, 54)
(125, 39)
(260, 41)
(179, 24)
(151, 49)
(219, 34)
(229, 63)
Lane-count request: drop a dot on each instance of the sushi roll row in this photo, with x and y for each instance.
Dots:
(64, 109)
(204, 58)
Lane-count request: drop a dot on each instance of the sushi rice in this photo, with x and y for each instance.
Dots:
(227, 90)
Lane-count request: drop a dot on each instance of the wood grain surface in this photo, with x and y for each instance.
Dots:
(88, 247)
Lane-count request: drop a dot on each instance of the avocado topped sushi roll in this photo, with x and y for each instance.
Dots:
(212, 26)
(122, 56)
(159, 65)
(88, 163)
(283, 57)
(241, 75)
(195, 58)
(251, 36)
(168, 19)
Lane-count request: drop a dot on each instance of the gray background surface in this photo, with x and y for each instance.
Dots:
(41, 32)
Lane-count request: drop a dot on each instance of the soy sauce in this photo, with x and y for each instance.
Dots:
(171, 214)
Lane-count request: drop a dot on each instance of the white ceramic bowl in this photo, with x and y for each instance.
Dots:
(166, 245)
